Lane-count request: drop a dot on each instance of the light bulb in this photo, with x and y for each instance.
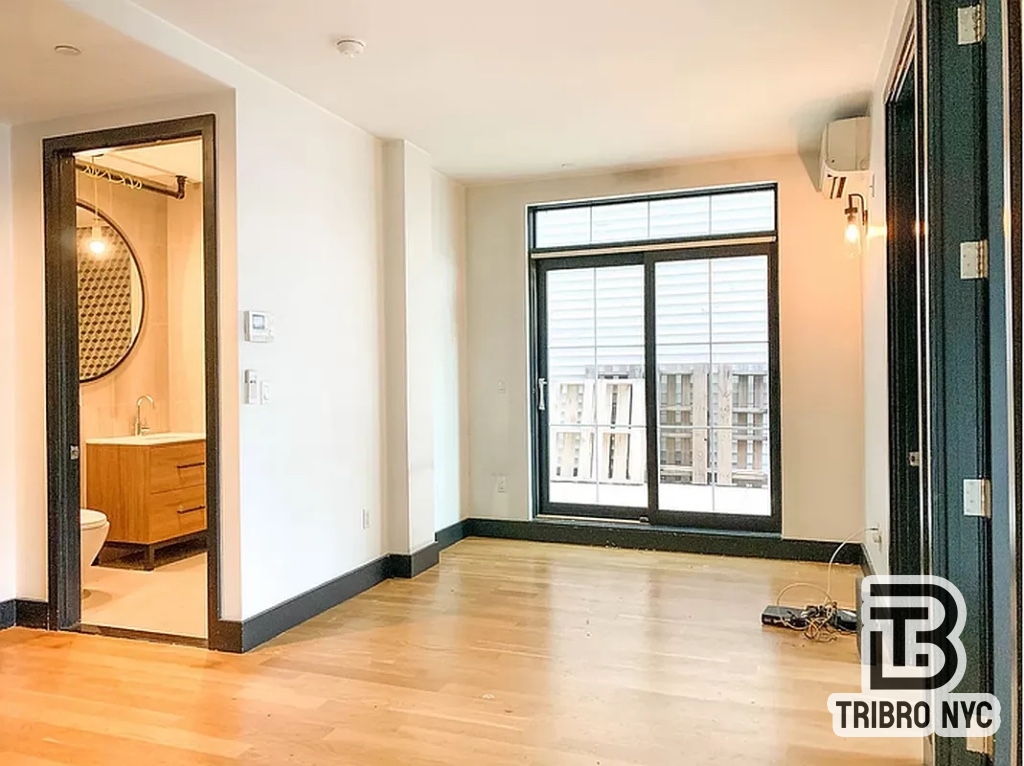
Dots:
(96, 244)
(853, 238)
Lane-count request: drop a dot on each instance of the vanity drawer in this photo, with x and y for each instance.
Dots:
(177, 512)
(173, 466)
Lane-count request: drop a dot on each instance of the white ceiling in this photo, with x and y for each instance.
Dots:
(113, 70)
(492, 89)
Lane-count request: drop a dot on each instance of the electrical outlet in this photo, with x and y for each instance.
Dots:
(501, 484)
(876, 537)
(366, 518)
(502, 388)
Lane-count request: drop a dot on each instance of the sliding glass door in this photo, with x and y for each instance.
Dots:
(594, 396)
(713, 388)
(656, 386)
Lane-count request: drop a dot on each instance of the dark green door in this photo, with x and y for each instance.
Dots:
(952, 51)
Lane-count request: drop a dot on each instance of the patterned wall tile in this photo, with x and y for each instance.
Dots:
(104, 303)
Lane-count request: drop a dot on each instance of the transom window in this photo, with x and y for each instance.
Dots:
(665, 218)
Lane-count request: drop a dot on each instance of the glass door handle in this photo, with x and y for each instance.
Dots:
(542, 390)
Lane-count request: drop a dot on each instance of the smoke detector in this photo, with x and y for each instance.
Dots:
(350, 47)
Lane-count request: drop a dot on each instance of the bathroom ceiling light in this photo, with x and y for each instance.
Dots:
(67, 50)
(96, 244)
(350, 47)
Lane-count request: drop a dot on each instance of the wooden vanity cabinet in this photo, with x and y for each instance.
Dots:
(152, 494)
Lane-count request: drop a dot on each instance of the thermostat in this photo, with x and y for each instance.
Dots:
(258, 327)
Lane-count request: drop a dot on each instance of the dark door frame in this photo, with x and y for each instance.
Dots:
(967, 171)
(1004, 103)
(907, 530)
(62, 385)
(651, 513)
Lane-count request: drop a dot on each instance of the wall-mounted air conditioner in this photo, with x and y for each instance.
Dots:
(845, 156)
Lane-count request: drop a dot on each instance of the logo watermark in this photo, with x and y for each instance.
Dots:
(912, 660)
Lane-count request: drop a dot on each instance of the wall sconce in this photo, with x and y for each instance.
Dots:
(856, 223)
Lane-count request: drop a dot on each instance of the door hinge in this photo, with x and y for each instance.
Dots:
(971, 24)
(914, 458)
(974, 259)
(978, 498)
(75, 452)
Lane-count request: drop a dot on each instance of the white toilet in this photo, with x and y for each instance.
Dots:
(94, 533)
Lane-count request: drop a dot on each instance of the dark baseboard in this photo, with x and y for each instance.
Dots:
(241, 637)
(642, 537)
(237, 637)
(32, 614)
(409, 565)
(448, 536)
(229, 636)
(24, 613)
(250, 633)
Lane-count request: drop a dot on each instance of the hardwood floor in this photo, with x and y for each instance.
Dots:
(507, 653)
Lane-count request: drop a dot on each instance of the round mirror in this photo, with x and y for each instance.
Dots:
(111, 303)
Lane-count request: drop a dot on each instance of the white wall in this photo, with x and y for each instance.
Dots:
(424, 259)
(449, 263)
(8, 492)
(301, 236)
(296, 473)
(308, 252)
(421, 331)
(411, 321)
(820, 300)
(876, 339)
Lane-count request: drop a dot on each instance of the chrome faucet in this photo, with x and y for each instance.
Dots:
(141, 427)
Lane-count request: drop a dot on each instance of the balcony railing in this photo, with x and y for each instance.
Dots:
(712, 426)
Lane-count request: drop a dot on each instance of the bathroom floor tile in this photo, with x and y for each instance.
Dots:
(170, 599)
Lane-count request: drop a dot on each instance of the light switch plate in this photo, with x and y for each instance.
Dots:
(265, 392)
(252, 387)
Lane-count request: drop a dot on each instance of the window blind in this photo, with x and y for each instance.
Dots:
(689, 216)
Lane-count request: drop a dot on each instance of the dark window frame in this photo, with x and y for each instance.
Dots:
(648, 254)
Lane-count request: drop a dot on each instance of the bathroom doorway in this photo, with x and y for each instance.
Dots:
(132, 395)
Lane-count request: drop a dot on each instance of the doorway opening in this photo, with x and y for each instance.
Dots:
(132, 396)
(908, 548)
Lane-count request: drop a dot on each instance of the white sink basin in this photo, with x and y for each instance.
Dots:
(146, 439)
